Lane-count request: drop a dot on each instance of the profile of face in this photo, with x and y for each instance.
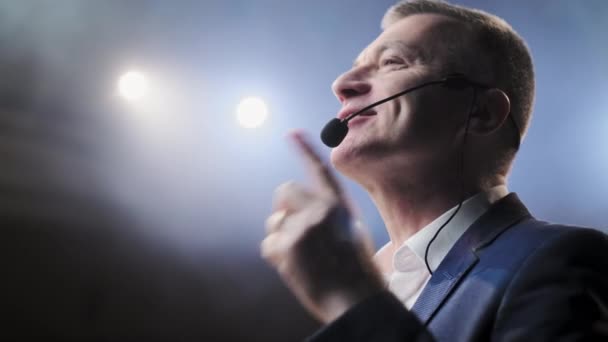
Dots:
(419, 128)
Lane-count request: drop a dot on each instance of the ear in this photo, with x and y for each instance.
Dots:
(490, 112)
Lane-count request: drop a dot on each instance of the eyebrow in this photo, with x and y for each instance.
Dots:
(407, 50)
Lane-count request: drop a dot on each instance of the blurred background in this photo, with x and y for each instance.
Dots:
(136, 167)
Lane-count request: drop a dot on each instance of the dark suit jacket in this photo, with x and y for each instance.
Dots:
(510, 277)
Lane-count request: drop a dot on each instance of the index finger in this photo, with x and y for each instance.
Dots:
(320, 172)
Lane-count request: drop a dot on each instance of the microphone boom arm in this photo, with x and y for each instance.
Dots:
(348, 118)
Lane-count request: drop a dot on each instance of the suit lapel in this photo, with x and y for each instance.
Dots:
(463, 256)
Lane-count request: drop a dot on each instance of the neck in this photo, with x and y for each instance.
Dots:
(406, 209)
(411, 194)
(409, 203)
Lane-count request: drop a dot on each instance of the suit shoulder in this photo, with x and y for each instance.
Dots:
(572, 242)
(556, 284)
(532, 239)
(534, 234)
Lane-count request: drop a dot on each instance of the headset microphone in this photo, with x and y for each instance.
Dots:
(335, 130)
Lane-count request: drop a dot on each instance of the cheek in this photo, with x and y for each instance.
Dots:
(404, 117)
(422, 120)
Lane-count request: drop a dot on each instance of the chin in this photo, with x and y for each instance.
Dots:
(339, 158)
(352, 156)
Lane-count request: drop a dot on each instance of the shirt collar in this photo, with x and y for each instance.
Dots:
(470, 211)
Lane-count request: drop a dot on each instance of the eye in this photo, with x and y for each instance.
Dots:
(391, 61)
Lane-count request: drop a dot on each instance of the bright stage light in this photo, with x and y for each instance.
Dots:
(251, 112)
(133, 85)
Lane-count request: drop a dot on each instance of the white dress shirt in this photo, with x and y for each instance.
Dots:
(410, 273)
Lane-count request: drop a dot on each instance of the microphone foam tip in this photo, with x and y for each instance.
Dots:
(334, 132)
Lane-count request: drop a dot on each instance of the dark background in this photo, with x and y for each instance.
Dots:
(131, 220)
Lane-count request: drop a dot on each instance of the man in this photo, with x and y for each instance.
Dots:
(466, 261)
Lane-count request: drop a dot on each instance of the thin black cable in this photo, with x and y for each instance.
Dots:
(460, 176)
(366, 108)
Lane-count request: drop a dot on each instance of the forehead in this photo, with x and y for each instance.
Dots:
(418, 34)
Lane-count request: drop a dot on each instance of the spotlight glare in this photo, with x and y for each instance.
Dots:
(133, 85)
(251, 112)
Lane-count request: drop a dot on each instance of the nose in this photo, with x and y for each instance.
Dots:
(350, 84)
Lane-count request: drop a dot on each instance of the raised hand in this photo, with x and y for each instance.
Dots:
(314, 244)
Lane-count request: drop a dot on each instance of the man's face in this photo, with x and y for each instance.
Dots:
(417, 127)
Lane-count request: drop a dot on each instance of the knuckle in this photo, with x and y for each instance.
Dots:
(275, 221)
(269, 249)
(285, 193)
(285, 187)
